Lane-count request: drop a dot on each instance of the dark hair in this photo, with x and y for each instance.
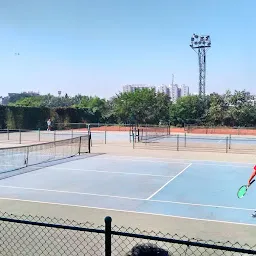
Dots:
(147, 250)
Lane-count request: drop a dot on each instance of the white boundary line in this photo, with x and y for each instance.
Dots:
(169, 182)
(128, 211)
(70, 192)
(128, 198)
(98, 171)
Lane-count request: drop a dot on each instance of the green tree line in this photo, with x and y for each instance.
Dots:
(149, 107)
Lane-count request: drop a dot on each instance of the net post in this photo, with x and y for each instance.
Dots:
(54, 135)
(108, 221)
(20, 136)
(226, 144)
(133, 140)
(178, 140)
(72, 133)
(39, 134)
(229, 147)
(8, 134)
(185, 140)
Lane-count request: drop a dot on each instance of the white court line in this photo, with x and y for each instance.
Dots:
(178, 161)
(131, 198)
(169, 182)
(126, 211)
(98, 171)
(70, 192)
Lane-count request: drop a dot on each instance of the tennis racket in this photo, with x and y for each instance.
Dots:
(242, 190)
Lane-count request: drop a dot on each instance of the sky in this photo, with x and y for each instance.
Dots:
(95, 47)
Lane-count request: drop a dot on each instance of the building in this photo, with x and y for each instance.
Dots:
(134, 87)
(164, 89)
(184, 90)
(1, 100)
(173, 91)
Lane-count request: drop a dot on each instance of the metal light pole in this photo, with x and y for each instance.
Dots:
(200, 44)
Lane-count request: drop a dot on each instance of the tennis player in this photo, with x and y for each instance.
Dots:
(249, 181)
(49, 123)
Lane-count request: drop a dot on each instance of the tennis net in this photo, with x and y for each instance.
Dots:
(15, 158)
(151, 133)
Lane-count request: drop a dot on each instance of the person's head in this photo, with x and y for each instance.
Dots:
(147, 250)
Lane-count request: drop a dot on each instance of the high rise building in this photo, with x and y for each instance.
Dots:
(184, 90)
(174, 92)
(134, 87)
(164, 89)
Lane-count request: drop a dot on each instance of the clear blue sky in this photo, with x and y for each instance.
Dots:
(94, 47)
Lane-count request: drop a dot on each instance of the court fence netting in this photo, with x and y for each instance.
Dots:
(162, 139)
(33, 235)
(15, 160)
(22, 136)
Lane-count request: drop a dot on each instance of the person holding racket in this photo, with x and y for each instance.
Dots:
(243, 189)
(250, 181)
(252, 176)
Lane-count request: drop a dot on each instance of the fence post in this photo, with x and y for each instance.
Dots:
(39, 134)
(89, 142)
(229, 141)
(80, 142)
(20, 135)
(8, 134)
(133, 140)
(54, 135)
(185, 139)
(226, 144)
(27, 156)
(105, 134)
(108, 221)
(178, 140)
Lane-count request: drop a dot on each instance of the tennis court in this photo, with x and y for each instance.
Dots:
(189, 189)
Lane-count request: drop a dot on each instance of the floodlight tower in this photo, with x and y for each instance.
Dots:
(200, 44)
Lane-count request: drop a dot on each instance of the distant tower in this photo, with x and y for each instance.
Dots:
(200, 44)
(59, 93)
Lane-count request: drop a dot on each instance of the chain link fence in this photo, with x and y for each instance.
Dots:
(31, 235)
(142, 139)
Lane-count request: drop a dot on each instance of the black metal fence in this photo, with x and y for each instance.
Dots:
(28, 235)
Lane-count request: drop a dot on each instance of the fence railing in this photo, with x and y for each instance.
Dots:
(28, 235)
(20, 136)
(190, 142)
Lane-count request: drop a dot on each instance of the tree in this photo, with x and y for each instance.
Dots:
(141, 106)
(187, 110)
(217, 107)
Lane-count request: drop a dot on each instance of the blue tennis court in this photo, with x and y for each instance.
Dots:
(188, 189)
